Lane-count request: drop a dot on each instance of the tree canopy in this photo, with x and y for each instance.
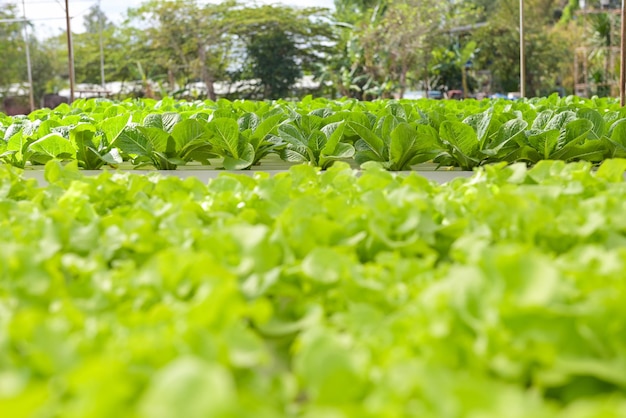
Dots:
(361, 48)
(12, 47)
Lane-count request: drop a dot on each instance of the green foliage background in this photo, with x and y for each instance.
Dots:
(361, 49)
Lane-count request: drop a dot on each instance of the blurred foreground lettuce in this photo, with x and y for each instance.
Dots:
(315, 294)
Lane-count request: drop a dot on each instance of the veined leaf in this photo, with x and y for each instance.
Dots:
(292, 135)
(342, 150)
(590, 150)
(573, 135)
(226, 135)
(402, 147)
(87, 154)
(396, 110)
(164, 121)
(46, 127)
(364, 154)
(334, 149)
(525, 153)
(82, 134)
(248, 121)
(199, 151)
(317, 141)
(463, 140)
(427, 145)
(160, 140)
(435, 118)
(362, 118)
(112, 157)
(243, 161)
(133, 142)
(427, 139)
(374, 143)
(16, 150)
(16, 142)
(560, 120)
(308, 123)
(385, 126)
(618, 133)
(266, 127)
(295, 154)
(545, 142)
(13, 129)
(598, 122)
(113, 127)
(321, 112)
(510, 133)
(334, 134)
(481, 123)
(189, 130)
(51, 146)
(542, 119)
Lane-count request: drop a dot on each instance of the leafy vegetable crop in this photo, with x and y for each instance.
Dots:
(398, 134)
(312, 294)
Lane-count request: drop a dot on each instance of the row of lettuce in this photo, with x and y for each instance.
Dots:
(315, 294)
(236, 135)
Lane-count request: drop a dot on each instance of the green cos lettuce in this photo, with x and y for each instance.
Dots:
(399, 135)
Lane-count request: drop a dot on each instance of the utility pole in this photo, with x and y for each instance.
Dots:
(522, 58)
(70, 52)
(101, 24)
(622, 71)
(31, 96)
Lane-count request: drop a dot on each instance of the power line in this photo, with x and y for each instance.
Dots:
(21, 19)
(24, 19)
(28, 3)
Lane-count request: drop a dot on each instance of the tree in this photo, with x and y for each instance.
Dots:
(185, 39)
(477, 10)
(452, 65)
(546, 51)
(387, 46)
(13, 62)
(399, 41)
(13, 65)
(281, 43)
(601, 40)
(347, 8)
(273, 61)
(46, 67)
(87, 59)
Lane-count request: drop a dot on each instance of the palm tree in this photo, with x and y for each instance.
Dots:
(601, 51)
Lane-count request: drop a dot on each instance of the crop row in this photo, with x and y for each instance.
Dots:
(313, 294)
(398, 135)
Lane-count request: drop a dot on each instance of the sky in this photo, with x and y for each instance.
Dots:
(48, 16)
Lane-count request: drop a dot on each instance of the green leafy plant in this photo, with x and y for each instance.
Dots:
(166, 141)
(307, 141)
(395, 144)
(235, 135)
(321, 292)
